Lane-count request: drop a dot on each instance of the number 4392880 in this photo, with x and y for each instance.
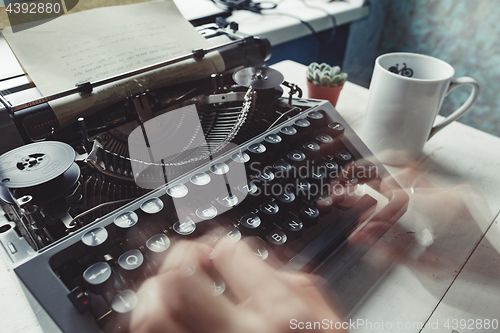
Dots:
(33, 8)
(471, 324)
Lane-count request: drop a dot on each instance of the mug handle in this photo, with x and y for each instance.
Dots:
(462, 81)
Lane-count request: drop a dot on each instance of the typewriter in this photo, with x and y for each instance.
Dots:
(90, 209)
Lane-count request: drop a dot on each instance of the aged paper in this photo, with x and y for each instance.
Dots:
(99, 43)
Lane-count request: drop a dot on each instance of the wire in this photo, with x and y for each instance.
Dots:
(332, 18)
(259, 7)
(250, 5)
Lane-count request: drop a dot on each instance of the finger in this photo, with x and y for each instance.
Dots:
(247, 276)
(199, 307)
(370, 233)
(306, 287)
(263, 252)
(406, 178)
(336, 193)
(152, 312)
(187, 255)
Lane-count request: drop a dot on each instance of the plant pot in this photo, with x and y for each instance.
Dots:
(319, 92)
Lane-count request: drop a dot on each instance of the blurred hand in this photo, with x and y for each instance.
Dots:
(182, 297)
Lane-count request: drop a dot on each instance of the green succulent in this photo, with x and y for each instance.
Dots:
(325, 75)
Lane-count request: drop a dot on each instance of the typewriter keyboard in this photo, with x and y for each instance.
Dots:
(293, 192)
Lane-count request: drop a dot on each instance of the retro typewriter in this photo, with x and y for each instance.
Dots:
(91, 209)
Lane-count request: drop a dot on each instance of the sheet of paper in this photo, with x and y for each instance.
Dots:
(99, 43)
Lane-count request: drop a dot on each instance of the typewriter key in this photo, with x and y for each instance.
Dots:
(293, 227)
(124, 302)
(125, 224)
(289, 134)
(325, 142)
(152, 206)
(312, 150)
(316, 119)
(277, 237)
(273, 142)
(268, 212)
(335, 129)
(184, 227)
(303, 127)
(250, 224)
(98, 278)
(231, 233)
(342, 157)
(309, 215)
(97, 241)
(130, 264)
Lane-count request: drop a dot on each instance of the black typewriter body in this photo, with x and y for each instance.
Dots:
(84, 251)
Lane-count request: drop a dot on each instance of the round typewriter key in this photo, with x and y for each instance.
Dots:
(293, 227)
(228, 200)
(218, 287)
(309, 215)
(342, 157)
(312, 150)
(266, 176)
(241, 157)
(273, 142)
(219, 168)
(206, 212)
(302, 125)
(259, 250)
(282, 169)
(124, 302)
(130, 263)
(231, 233)
(318, 178)
(177, 191)
(268, 211)
(98, 278)
(324, 139)
(126, 220)
(152, 206)
(324, 204)
(276, 237)
(184, 227)
(250, 223)
(286, 200)
(296, 158)
(248, 189)
(288, 134)
(95, 237)
(325, 143)
(97, 241)
(315, 118)
(348, 179)
(331, 169)
(200, 179)
(335, 129)
(257, 152)
(302, 189)
(158, 243)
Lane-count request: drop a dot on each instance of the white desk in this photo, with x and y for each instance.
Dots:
(463, 280)
(280, 28)
(377, 289)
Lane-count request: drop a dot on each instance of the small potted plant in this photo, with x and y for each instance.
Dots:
(325, 82)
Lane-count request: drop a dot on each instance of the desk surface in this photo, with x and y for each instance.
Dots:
(461, 281)
(281, 24)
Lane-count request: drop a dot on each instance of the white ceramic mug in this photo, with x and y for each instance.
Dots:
(406, 93)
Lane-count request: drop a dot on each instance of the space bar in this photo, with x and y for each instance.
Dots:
(331, 237)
